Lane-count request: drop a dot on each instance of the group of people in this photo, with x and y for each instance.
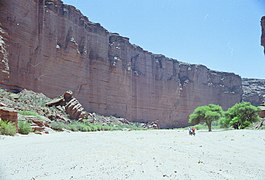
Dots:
(192, 131)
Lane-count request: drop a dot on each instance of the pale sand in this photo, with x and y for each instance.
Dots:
(154, 154)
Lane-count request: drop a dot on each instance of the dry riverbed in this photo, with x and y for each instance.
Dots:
(152, 154)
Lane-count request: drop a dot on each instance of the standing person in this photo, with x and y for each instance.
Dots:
(193, 130)
(190, 131)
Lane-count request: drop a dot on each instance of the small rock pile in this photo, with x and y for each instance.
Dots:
(38, 126)
(31, 101)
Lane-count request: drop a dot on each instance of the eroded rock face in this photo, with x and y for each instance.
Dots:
(53, 47)
(254, 91)
(4, 65)
(263, 32)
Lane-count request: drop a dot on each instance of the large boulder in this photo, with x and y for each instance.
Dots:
(71, 106)
(10, 115)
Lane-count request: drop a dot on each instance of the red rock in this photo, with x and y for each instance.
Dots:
(10, 115)
(37, 132)
(40, 123)
(46, 124)
(59, 49)
(37, 128)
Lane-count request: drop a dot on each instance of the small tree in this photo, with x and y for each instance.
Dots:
(206, 114)
(240, 116)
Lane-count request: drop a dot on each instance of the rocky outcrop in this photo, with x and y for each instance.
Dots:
(10, 115)
(254, 91)
(53, 47)
(263, 32)
(70, 105)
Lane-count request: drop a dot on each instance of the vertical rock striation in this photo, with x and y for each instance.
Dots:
(52, 47)
(4, 65)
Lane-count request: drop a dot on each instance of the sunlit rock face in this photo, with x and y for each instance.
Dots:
(263, 32)
(254, 91)
(51, 47)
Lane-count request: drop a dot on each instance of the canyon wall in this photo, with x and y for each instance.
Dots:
(254, 91)
(263, 32)
(51, 47)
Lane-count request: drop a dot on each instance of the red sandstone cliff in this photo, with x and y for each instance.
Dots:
(50, 47)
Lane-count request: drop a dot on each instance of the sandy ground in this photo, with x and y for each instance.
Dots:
(154, 154)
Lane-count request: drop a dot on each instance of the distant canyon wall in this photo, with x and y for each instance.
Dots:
(51, 47)
(254, 91)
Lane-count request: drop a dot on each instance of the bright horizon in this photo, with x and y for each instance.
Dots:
(223, 35)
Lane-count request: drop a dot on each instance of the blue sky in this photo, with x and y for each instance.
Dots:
(224, 35)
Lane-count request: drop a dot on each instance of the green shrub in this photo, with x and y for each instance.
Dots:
(71, 127)
(88, 127)
(241, 115)
(97, 126)
(28, 113)
(201, 126)
(31, 113)
(24, 127)
(58, 126)
(224, 122)
(7, 128)
(107, 128)
(93, 127)
(85, 129)
(78, 126)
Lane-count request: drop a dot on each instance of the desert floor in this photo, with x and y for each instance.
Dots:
(152, 154)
